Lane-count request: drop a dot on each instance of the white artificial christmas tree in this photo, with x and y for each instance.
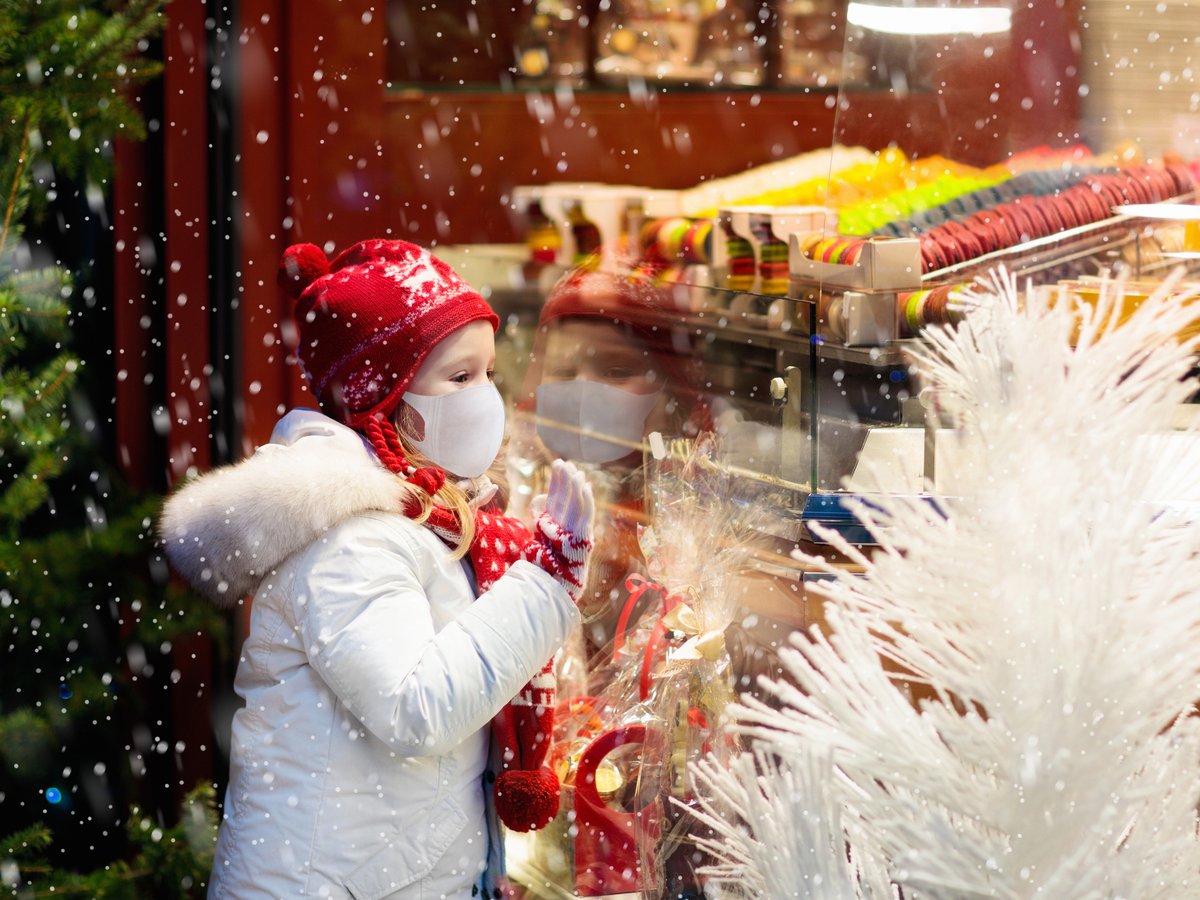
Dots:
(1052, 604)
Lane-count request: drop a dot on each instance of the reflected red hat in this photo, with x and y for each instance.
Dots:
(368, 318)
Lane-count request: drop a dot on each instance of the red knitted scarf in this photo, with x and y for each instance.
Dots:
(526, 790)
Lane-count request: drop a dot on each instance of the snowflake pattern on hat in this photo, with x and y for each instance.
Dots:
(363, 385)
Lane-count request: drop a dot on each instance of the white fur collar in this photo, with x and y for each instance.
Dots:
(227, 530)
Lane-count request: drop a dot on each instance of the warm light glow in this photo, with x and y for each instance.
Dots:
(919, 20)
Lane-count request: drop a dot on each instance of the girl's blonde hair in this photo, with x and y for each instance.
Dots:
(449, 496)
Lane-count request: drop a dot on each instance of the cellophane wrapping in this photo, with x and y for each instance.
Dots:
(706, 527)
(638, 709)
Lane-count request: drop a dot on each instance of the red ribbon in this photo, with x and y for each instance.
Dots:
(637, 585)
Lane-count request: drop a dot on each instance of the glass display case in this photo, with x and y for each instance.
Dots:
(801, 288)
(1044, 215)
(803, 284)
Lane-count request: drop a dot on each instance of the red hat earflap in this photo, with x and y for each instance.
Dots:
(526, 789)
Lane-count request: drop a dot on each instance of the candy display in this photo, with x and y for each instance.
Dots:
(887, 195)
(740, 275)
(667, 245)
(888, 172)
(791, 182)
(773, 259)
(869, 216)
(770, 269)
(1089, 198)
(839, 249)
(1028, 184)
(892, 185)
(956, 193)
(1030, 217)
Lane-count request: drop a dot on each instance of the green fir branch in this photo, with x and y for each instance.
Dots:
(66, 69)
(28, 843)
(16, 195)
(28, 491)
(168, 863)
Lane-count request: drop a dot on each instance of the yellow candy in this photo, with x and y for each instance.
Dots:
(608, 779)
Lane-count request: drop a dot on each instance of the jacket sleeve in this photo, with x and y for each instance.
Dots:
(370, 633)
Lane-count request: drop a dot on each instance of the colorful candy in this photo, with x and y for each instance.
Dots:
(773, 259)
(839, 249)
(931, 306)
(1030, 217)
(741, 263)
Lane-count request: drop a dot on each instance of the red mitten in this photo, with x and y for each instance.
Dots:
(526, 789)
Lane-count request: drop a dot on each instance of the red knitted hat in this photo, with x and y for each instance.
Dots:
(647, 312)
(369, 318)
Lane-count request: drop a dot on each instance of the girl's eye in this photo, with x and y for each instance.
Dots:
(619, 373)
(491, 376)
(461, 378)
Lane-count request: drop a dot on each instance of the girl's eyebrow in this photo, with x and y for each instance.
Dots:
(463, 361)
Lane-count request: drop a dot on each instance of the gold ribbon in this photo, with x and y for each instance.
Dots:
(701, 644)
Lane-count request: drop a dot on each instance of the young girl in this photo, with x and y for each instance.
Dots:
(396, 611)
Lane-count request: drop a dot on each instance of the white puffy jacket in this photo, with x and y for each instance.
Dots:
(370, 673)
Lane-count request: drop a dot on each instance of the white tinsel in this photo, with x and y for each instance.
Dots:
(790, 834)
(1052, 603)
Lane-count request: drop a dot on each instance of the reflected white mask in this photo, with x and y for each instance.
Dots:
(463, 429)
(589, 412)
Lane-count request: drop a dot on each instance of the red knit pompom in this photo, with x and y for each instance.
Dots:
(300, 266)
(526, 800)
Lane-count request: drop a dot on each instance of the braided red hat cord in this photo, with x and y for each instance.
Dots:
(386, 442)
(381, 434)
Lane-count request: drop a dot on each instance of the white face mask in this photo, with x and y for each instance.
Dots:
(463, 429)
(590, 412)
